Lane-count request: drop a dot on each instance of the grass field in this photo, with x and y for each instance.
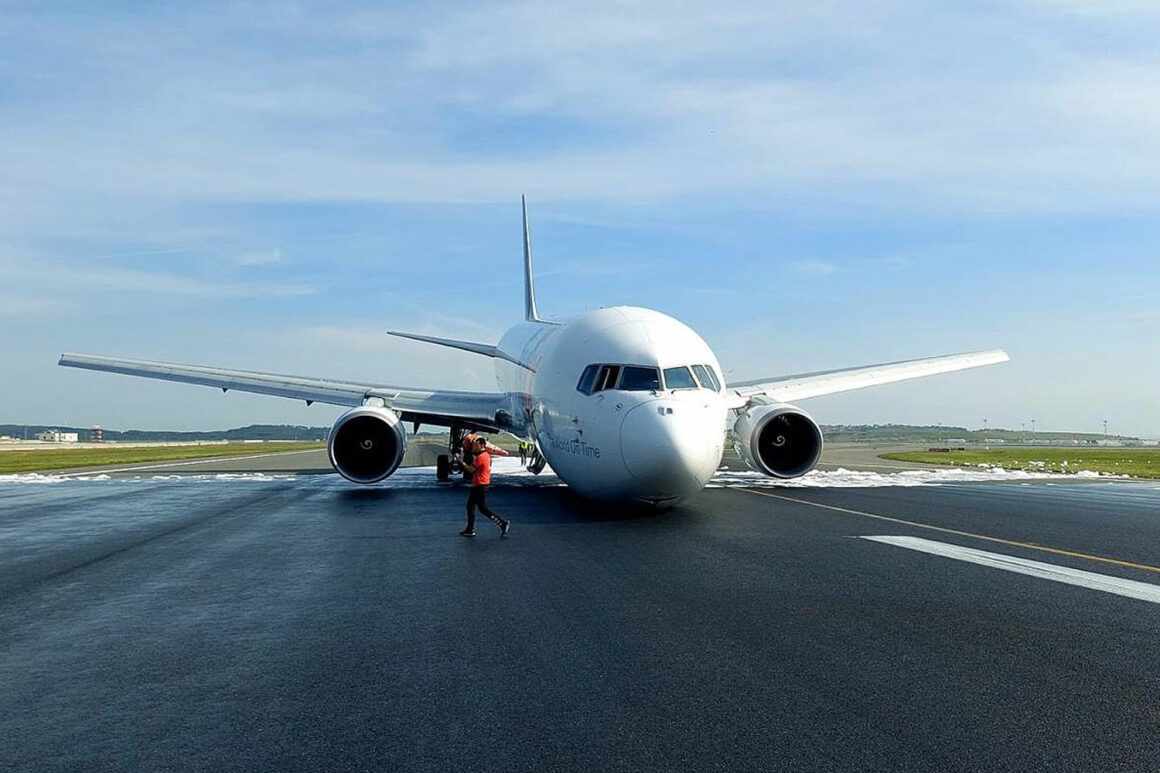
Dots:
(1137, 462)
(69, 458)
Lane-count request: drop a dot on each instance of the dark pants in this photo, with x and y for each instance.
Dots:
(478, 498)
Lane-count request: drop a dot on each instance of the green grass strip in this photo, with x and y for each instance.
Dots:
(17, 461)
(1137, 462)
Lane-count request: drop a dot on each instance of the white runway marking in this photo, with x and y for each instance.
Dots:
(1101, 582)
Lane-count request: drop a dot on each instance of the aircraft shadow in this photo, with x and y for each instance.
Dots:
(527, 504)
(563, 505)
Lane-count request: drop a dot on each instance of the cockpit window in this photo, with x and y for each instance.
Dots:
(606, 379)
(707, 377)
(638, 379)
(588, 379)
(631, 378)
(679, 378)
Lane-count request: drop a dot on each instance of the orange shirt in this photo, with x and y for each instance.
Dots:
(482, 466)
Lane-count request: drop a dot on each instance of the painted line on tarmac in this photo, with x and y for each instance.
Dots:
(971, 535)
(136, 468)
(1132, 589)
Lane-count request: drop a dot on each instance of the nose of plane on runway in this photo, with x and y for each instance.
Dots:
(671, 448)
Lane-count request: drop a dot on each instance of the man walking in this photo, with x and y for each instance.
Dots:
(480, 469)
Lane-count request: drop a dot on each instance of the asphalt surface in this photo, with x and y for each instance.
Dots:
(300, 624)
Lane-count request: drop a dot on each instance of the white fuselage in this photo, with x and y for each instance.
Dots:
(655, 445)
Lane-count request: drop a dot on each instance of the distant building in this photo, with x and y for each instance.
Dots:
(56, 436)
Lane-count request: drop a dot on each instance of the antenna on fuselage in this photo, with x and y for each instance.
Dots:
(530, 313)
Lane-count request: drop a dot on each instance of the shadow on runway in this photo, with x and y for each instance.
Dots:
(368, 494)
(555, 505)
(547, 505)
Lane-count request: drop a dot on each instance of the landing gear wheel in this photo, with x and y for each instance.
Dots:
(538, 462)
(443, 467)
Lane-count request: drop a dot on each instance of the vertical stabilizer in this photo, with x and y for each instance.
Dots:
(530, 313)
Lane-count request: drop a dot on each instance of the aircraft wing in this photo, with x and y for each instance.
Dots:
(478, 410)
(826, 382)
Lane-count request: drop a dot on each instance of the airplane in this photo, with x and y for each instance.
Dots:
(624, 403)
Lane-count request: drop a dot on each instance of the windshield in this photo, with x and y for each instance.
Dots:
(707, 378)
(679, 378)
(588, 379)
(639, 379)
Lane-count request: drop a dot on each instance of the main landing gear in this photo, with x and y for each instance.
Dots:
(537, 463)
(451, 463)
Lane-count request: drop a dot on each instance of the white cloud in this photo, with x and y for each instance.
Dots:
(97, 281)
(1100, 8)
(189, 133)
(15, 306)
(354, 348)
(260, 258)
(889, 104)
(813, 267)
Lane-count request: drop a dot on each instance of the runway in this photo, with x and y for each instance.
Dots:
(223, 621)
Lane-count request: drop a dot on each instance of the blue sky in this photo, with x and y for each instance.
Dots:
(275, 185)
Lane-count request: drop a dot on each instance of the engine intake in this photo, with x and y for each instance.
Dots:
(778, 440)
(367, 444)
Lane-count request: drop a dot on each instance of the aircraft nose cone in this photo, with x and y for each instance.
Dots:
(670, 449)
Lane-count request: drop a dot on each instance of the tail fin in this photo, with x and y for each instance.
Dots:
(530, 313)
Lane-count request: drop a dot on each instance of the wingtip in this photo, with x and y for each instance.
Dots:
(408, 336)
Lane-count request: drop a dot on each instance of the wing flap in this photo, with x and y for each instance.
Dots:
(804, 385)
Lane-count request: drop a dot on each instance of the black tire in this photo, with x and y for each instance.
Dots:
(443, 467)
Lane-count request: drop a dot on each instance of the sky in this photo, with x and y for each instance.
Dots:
(808, 185)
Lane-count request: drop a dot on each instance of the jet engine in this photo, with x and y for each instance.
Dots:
(367, 444)
(777, 439)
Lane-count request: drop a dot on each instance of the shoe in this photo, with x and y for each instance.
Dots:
(466, 533)
(503, 529)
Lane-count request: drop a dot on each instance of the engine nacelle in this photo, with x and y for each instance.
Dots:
(777, 439)
(367, 444)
